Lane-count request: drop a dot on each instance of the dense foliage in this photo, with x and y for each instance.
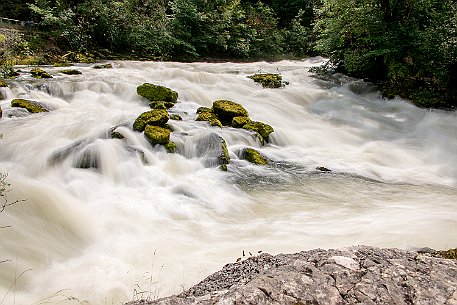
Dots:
(408, 47)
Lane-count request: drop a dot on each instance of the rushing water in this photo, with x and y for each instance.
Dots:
(128, 229)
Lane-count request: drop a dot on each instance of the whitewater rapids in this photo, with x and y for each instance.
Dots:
(152, 224)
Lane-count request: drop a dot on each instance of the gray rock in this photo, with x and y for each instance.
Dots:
(356, 275)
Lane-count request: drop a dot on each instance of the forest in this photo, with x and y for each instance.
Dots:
(408, 48)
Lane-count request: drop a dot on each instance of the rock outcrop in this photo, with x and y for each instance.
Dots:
(356, 275)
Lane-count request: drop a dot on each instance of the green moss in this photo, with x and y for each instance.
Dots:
(209, 117)
(224, 158)
(161, 105)
(157, 117)
(157, 93)
(71, 72)
(157, 135)
(268, 80)
(262, 129)
(227, 110)
(31, 106)
(62, 64)
(176, 117)
(240, 121)
(2, 83)
(253, 156)
(170, 147)
(223, 167)
(449, 254)
(104, 66)
(40, 73)
(116, 135)
(204, 109)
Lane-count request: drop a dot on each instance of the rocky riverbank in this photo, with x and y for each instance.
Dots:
(355, 275)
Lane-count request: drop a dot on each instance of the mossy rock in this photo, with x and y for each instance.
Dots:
(204, 109)
(227, 110)
(71, 72)
(157, 135)
(117, 135)
(175, 117)
(268, 80)
(62, 64)
(156, 117)
(31, 106)
(40, 73)
(157, 93)
(170, 147)
(104, 66)
(240, 121)
(449, 254)
(253, 156)
(1, 112)
(262, 129)
(2, 83)
(209, 117)
(161, 105)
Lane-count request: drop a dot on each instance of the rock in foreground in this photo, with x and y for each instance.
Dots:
(356, 275)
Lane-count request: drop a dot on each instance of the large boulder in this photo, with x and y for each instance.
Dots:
(157, 135)
(240, 121)
(31, 106)
(157, 93)
(262, 129)
(213, 149)
(355, 275)
(40, 73)
(157, 117)
(268, 80)
(227, 110)
(253, 156)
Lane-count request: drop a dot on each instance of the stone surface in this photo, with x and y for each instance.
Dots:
(253, 156)
(356, 275)
(268, 80)
(240, 121)
(71, 72)
(31, 106)
(261, 128)
(227, 110)
(213, 149)
(40, 73)
(2, 83)
(157, 135)
(209, 117)
(157, 93)
(157, 117)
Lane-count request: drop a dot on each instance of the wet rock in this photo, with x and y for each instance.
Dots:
(157, 135)
(103, 66)
(62, 64)
(209, 117)
(227, 110)
(117, 135)
(262, 129)
(175, 117)
(204, 109)
(1, 112)
(157, 93)
(170, 147)
(161, 105)
(240, 121)
(2, 83)
(87, 158)
(268, 80)
(213, 149)
(323, 169)
(31, 106)
(157, 117)
(71, 72)
(355, 275)
(40, 73)
(449, 254)
(253, 156)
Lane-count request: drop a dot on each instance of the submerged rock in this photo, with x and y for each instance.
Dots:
(175, 117)
(31, 106)
(157, 135)
(87, 158)
(262, 129)
(209, 117)
(268, 80)
(157, 117)
(62, 64)
(103, 66)
(157, 93)
(213, 149)
(40, 73)
(253, 156)
(355, 275)
(71, 72)
(227, 110)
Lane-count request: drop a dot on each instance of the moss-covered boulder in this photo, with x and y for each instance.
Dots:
(62, 64)
(170, 147)
(103, 66)
(449, 254)
(268, 80)
(204, 109)
(157, 117)
(2, 83)
(209, 117)
(31, 106)
(253, 156)
(240, 121)
(262, 129)
(40, 73)
(227, 110)
(71, 72)
(175, 117)
(161, 105)
(157, 93)
(157, 135)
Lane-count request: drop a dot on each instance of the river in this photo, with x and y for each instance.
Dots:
(144, 225)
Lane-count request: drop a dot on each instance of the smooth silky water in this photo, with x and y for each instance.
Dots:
(152, 224)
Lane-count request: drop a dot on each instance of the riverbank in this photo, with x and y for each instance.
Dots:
(353, 275)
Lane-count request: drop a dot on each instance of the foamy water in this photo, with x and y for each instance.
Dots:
(132, 229)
